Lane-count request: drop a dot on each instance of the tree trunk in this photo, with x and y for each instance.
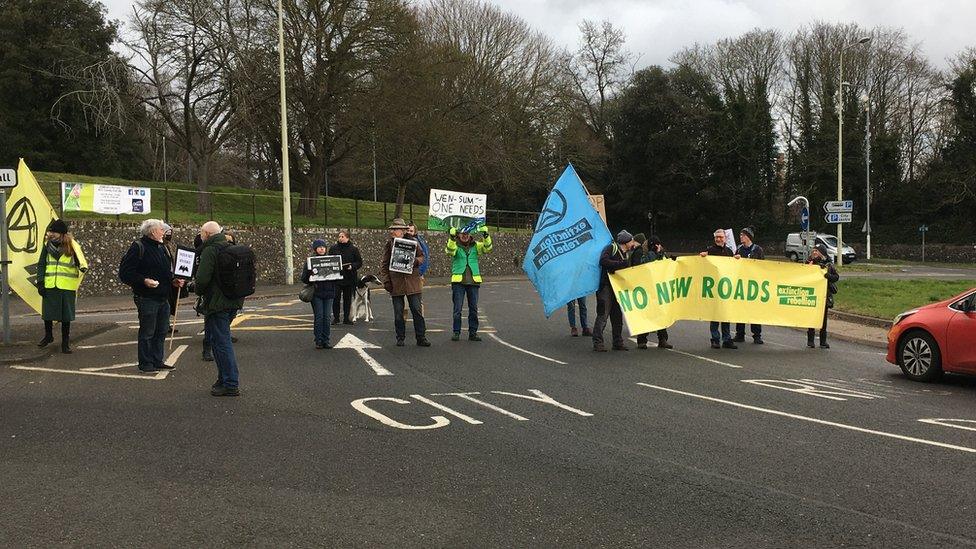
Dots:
(202, 166)
(401, 193)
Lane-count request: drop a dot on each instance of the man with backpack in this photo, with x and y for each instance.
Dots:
(226, 276)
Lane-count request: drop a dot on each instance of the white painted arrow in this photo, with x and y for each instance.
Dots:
(350, 341)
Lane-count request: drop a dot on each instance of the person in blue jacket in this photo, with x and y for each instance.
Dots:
(321, 300)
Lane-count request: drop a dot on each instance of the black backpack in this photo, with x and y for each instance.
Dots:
(236, 275)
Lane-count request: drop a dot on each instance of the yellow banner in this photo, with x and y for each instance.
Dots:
(657, 294)
(28, 215)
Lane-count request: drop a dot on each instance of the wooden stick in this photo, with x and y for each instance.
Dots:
(176, 311)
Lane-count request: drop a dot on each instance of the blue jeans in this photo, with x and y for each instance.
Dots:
(458, 292)
(153, 325)
(322, 312)
(419, 326)
(726, 332)
(218, 328)
(571, 311)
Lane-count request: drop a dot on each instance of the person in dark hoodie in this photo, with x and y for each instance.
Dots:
(749, 250)
(650, 250)
(718, 248)
(821, 257)
(352, 261)
(615, 256)
(325, 292)
(147, 269)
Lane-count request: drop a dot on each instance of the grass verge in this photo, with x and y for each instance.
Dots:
(886, 298)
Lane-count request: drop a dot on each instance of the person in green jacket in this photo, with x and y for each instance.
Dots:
(466, 277)
(218, 310)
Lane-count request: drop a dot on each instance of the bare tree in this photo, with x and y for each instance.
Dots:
(598, 69)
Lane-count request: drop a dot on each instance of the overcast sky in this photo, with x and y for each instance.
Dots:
(657, 28)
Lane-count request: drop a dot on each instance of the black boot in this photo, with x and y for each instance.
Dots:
(66, 338)
(48, 334)
(823, 340)
(810, 339)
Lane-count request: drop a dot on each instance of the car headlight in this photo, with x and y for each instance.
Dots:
(903, 316)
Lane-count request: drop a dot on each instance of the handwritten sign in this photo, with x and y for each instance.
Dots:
(403, 255)
(464, 211)
(186, 259)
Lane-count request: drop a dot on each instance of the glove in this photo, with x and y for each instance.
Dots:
(453, 231)
(41, 291)
(484, 232)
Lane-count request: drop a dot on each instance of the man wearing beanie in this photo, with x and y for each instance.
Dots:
(650, 250)
(321, 300)
(750, 250)
(614, 257)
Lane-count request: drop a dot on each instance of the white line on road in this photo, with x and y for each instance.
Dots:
(521, 350)
(443, 408)
(814, 420)
(349, 341)
(122, 343)
(175, 355)
(946, 422)
(156, 377)
(705, 358)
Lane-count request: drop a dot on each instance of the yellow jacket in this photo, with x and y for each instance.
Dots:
(64, 273)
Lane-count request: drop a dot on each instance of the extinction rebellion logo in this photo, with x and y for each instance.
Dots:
(797, 296)
(561, 241)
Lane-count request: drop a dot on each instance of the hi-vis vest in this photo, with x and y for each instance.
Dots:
(464, 258)
(63, 273)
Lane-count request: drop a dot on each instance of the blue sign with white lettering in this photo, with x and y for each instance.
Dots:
(805, 219)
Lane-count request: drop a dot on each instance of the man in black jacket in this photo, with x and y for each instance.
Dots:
(751, 250)
(720, 249)
(614, 257)
(147, 269)
(352, 261)
(820, 257)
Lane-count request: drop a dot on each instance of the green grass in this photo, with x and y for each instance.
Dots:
(862, 268)
(895, 263)
(886, 298)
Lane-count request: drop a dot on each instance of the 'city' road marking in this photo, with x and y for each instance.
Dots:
(814, 420)
(946, 422)
(521, 350)
(350, 341)
(156, 377)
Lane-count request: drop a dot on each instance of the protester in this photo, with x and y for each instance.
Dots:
(614, 257)
(325, 291)
(146, 268)
(404, 287)
(571, 312)
(352, 261)
(176, 293)
(719, 248)
(650, 249)
(751, 250)
(466, 277)
(198, 307)
(412, 232)
(821, 257)
(60, 269)
(218, 310)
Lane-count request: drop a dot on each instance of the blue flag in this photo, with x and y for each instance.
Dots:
(563, 259)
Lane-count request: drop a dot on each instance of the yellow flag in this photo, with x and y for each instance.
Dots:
(28, 215)
(723, 289)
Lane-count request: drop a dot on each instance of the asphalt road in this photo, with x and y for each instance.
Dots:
(550, 444)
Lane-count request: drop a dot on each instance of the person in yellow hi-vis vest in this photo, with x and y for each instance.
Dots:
(466, 277)
(59, 273)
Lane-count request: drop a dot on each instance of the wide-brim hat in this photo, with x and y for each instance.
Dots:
(398, 223)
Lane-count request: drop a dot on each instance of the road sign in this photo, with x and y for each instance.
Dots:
(839, 217)
(923, 228)
(8, 178)
(839, 206)
(805, 219)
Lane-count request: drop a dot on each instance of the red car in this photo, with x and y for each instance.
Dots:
(936, 338)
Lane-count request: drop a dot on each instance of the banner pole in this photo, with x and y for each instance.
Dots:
(176, 312)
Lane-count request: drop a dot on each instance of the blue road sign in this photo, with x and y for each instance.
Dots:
(805, 219)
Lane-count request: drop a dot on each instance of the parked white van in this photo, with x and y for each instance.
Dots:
(796, 251)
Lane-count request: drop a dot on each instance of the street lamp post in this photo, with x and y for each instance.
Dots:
(285, 177)
(840, 145)
(867, 168)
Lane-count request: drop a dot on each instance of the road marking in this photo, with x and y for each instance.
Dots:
(814, 420)
(521, 350)
(175, 355)
(946, 422)
(705, 358)
(813, 388)
(180, 323)
(443, 408)
(350, 341)
(360, 406)
(156, 377)
(546, 399)
(467, 396)
(122, 343)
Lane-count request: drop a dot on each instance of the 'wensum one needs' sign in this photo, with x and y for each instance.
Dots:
(464, 211)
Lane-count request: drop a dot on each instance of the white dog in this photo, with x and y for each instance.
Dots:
(361, 308)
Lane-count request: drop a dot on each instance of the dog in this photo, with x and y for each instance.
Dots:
(361, 309)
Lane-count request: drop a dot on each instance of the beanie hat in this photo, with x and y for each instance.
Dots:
(653, 240)
(58, 226)
(748, 232)
(640, 238)
(318, 243)
(822, 248)
(623, 237)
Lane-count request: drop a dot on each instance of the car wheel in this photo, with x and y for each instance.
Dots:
(919, 356)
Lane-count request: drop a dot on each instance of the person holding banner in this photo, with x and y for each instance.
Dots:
(352, 261)
(650, 250)
(401, 278)
(616, 256)
(720, 248)
(821, 257)
(751, 250)
(466, 277)
(60, 270)
(321, 299)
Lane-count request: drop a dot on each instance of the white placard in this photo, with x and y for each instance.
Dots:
(403, 255)
(324, 267)
(185, 259)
